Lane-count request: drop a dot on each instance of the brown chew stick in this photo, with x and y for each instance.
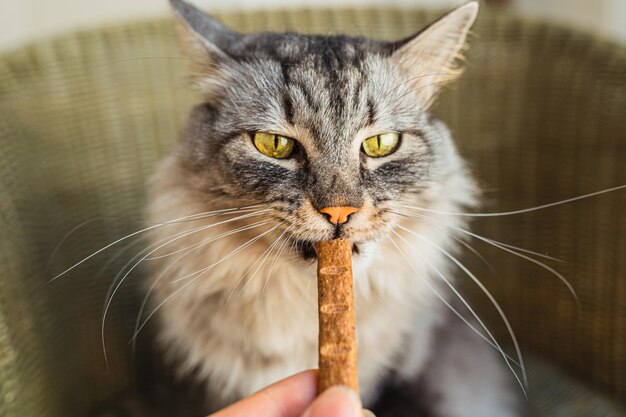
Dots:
(337, 340)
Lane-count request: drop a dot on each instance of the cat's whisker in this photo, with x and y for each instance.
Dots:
(199, 245)
(116, 280)
(80, 226)
(481, 286)
(512, 250)
(258, 264)
(65, 237)
(276, 245)
(273, 264)
(119, 253)
(150, 252)
(146, 297)
(171, 265)
(115, 284)
(260, 259)
(143, 252)
(201, 216)
(475, 252)
(200, 273)
(251, 225)
(294, 248)
(518, 249)
(140, 254)
(492, 342)
(521, 211)
(292, 255)
(291, 247)
(196, 216)
(228, 256)
(548, 268)
(170, 239)
(483, 238)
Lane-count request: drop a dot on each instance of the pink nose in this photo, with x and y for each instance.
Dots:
(338, 215)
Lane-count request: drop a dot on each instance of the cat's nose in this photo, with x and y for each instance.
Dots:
(338, 215)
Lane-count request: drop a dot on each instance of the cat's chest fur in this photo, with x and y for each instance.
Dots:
(241, 328)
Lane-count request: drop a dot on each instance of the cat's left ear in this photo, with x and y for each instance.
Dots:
(428, 59)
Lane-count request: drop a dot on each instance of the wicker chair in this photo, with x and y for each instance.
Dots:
(539, 113)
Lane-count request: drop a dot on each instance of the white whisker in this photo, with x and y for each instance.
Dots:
(548, 268)
(518, 249)
(151, 251)
(291, 247)
(508, 248)
(493, 242)
(260, 259)
(251, 225)
(184, 218)
(522, 211)
(139, 255)
(273, 264)
(120, 252)
(200, 273)
(485, 291)
(443, 300)
(180, 258)
(233, 252)
(475, 252)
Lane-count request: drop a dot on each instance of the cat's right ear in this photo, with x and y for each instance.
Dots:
(430, 58)
(206, 42)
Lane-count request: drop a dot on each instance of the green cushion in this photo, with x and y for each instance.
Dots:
(85, 117)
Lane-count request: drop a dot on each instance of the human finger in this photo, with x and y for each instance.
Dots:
(337, 401)
(286, 398)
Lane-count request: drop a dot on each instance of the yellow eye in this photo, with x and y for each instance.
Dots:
(274, 146)
(381, 145)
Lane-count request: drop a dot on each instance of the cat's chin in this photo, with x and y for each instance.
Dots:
(308, 249)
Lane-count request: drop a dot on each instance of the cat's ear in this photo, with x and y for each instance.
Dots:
(429, 58)
(205, 41)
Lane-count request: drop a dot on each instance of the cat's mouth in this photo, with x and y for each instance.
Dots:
(308, 249)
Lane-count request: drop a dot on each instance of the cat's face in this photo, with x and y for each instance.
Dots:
(306, 123)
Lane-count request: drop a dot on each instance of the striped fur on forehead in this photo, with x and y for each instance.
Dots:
(318, 84)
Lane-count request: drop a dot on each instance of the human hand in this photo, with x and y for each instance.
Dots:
(295, 397)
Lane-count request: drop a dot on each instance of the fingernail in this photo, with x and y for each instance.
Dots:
(338, 401)
(368, 413)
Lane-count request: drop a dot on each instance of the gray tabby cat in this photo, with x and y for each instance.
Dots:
(305, 138)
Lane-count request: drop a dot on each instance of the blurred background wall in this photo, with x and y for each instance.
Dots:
(24, 20)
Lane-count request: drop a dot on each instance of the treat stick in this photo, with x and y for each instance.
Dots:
(337, 340)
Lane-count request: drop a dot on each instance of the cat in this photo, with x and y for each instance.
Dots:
(302, 138)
